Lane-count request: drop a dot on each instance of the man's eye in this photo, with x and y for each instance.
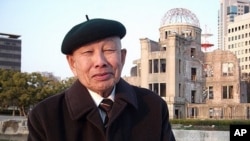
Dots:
(87, 52)
(109, 50)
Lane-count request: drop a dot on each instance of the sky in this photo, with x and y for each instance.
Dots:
(43, 25)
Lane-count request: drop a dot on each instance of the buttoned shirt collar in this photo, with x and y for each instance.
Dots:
(74, 96)
(98, 99)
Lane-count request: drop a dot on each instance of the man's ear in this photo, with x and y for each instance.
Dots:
(72, 63)
(123, 55)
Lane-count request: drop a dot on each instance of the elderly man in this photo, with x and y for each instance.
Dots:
(100, 105)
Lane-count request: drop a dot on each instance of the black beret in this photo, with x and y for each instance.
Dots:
(90, 31)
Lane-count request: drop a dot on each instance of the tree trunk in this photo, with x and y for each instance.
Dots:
(13, 112)
(23, 111)
(20, 111)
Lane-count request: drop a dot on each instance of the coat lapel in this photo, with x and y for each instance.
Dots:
(124, 96)
(80, 104)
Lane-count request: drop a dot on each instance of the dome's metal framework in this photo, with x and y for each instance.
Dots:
(180, 16)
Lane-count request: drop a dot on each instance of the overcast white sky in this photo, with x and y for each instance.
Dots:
(43, 25)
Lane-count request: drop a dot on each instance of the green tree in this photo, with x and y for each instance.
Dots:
(24, 90)
(10, 88)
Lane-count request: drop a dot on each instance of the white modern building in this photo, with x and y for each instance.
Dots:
(229, 9)
(238, 41)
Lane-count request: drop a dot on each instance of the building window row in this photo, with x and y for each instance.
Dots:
(235, 29)
(10, 43)
(236, 37)
(157, 65)
(245, 75)
(7, 63)
(17, 48)
(244, 59)
(12, 56)
(227, 92)
(245, 67)
(227, 70)
(240, 44)
(158, 88)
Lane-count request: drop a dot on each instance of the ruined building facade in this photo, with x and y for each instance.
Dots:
(194, 84)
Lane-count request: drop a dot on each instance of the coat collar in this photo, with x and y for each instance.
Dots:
(125, 92)
(79, 101)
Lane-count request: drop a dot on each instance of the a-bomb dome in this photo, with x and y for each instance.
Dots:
(180, 16)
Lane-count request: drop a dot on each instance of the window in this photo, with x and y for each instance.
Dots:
(208, 70)
(193, 74)
(227, 92)
(210, 92)
(194, 111)
(192, 52)
(150, 66)
(150, 86)
(159, 88)
(163, 65)
(179, 66)
(155, 66)
(163, 89)
(248, 112)
(166, 34)
(179, 90)
(155, 88)
(227, 69)
(164, 48)
(193, 96)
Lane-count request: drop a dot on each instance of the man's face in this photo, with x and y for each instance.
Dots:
(98, 65)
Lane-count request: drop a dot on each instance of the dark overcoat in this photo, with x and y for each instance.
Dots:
(137, 115)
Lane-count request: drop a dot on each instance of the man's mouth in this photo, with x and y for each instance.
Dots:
(102, 76)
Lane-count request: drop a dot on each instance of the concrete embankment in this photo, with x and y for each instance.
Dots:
(200, 135)
(180, 135)
(15, 129)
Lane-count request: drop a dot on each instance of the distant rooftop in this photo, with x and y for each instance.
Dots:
(13, 36)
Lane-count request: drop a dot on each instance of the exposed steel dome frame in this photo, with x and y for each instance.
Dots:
(180, 16)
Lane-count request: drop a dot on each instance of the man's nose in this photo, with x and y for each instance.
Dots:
(100, 60)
